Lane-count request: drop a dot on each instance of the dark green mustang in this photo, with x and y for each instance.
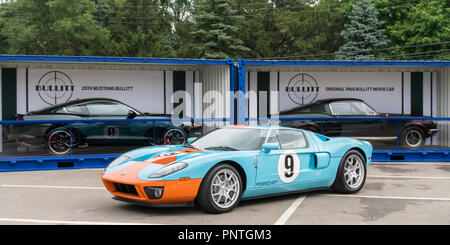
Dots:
(60, 137)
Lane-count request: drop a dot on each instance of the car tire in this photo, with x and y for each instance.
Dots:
(60, 142)
(412, 137)
(174, 136)
(351, 174)
(221, 189)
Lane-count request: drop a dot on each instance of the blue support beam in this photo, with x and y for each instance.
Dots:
(398, 155)
(106, 59)
(55, 162)
(241, 93)
(346, 62)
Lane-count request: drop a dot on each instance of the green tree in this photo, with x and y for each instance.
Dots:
(418, 29)
(139, 28)
(363, 33)
(293, 29)
(214, 33)
(57, 27)
(182, 22)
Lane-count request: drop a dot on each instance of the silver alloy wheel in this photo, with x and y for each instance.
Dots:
(413, 138)
(60, 142)
(225, 188)
(174, 137)
(354, 171)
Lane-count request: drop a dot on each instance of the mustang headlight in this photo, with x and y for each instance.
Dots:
(172, 168)
(118, 161)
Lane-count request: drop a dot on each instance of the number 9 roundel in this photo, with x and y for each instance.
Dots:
(288, 166)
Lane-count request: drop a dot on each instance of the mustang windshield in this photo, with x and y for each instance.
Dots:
(237, 139)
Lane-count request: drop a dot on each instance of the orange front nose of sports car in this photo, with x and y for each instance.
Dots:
(125, 184)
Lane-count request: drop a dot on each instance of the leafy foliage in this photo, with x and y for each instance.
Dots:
(294, 29)
(214, 33)
(363, 34)
(47, 27)
(423, 26)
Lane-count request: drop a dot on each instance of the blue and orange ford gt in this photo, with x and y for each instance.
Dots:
(234, 163)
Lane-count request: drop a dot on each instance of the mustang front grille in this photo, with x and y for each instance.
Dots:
(127, 189)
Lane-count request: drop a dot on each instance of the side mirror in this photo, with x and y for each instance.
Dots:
(267, 147)
(131, 114)
(192, 139)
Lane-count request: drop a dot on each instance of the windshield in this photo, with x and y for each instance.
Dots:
(238, 139)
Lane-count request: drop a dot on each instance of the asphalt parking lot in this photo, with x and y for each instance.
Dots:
(395, 193)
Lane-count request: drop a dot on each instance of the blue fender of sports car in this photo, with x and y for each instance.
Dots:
(238, 162)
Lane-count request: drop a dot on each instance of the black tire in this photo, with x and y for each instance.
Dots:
(205, 196)
(174, 136)
(60, 141)
(342, 183)
(412, 137)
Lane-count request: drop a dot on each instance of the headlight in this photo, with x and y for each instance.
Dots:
(172, 168)
(118, 161)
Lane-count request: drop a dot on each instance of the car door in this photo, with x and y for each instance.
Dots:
(287, 168)
(352, 127)
(110, 133)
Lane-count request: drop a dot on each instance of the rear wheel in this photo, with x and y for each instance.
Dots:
(351, 174)
(412, 137)
(220, 190)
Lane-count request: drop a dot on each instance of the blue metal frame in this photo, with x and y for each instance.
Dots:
(95, 161)
(76, 161)
(400, 155)
(378, 155)
(241, 92)
(53, 162)
(383, 155)
(242, 63)
(109, 59)
(246, 62)
(126, 60)
(102, 160)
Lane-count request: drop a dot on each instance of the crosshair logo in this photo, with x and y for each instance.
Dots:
(302, 89)
(55, 87)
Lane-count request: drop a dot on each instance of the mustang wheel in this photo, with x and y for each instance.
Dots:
(351, 174)
(174, 136)
(412, 137)
(60, 142)
(220, 190)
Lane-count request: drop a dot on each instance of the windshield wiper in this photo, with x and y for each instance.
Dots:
(223, 148)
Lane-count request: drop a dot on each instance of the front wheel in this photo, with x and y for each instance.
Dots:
(351, 174)
(60, 142)
(220, 190)
(174, 136)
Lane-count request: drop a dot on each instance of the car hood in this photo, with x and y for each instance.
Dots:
(145, 161)
(173, 152)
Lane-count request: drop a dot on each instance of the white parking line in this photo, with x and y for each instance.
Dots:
(391, 197)
(287, 214)
(66, 222)
(407, 177)
(54, 187)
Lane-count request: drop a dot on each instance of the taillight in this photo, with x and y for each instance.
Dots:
(19, 119)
